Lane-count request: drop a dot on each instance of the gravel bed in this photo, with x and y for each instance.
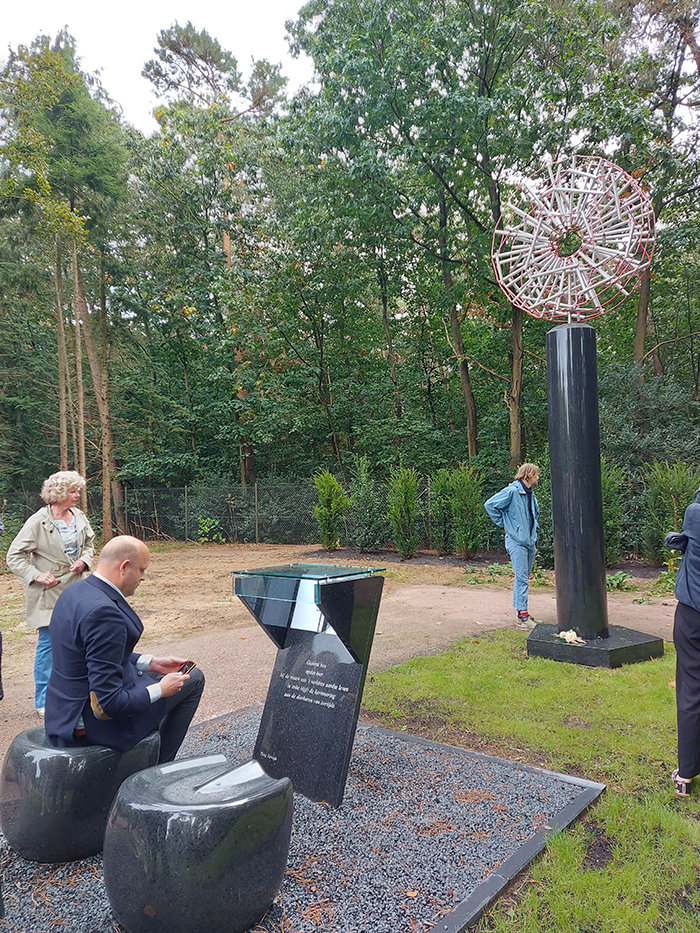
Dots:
(420, 827)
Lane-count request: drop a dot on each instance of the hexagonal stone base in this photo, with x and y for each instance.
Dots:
(623, 646)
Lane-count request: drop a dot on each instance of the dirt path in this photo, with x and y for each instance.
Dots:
(187, 608)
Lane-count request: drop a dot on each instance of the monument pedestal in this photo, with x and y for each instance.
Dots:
(622, 646)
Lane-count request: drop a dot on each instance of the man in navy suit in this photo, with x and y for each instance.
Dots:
(100, 692)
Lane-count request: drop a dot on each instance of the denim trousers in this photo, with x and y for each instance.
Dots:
(522, 557)
(42, 666)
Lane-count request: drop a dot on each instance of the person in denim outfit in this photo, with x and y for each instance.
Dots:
(515, 509)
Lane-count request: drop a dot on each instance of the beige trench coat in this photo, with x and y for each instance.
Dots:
(39, 547)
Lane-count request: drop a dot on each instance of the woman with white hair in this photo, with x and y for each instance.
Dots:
(53, 549)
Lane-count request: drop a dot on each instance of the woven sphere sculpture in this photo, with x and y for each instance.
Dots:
(576, 243)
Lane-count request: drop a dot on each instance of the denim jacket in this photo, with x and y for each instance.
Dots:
(509, 509)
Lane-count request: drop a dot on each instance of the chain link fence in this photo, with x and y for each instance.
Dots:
(264, 513)
(261, 513)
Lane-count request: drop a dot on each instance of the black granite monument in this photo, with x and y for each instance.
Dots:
(577, 513)
(322, 619)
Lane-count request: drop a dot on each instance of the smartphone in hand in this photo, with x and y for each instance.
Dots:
(187, 667)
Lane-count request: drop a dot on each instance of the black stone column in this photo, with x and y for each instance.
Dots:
(577, 511)
(577, 500)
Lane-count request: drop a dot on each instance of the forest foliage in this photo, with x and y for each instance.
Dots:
(273, 287)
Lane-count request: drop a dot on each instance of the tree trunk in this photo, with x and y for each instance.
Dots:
(79, 389)
(640, 328)
(62, 359)
(464, 376)
(326, 398)
(116, 486)
(100, 387)
(513, 396)
(465, 379)
(383, 280)
(73, 419)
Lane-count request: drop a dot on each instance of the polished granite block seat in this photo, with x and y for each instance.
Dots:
(197, 846)
(54, 802)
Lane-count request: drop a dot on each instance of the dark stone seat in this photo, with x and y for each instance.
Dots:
(54, 802)
(196, 846)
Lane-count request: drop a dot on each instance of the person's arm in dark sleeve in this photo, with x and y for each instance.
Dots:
(104, 637)
(676, 541)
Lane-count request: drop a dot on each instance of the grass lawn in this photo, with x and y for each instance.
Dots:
(632, 864)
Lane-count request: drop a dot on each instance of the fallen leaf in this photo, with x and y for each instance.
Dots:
(411, 893)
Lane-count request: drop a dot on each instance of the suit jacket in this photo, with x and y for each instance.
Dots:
(93, 635)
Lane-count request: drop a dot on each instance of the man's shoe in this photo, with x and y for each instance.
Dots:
(681, 786)
(40, 711)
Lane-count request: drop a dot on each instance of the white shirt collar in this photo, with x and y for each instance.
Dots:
(108, 582)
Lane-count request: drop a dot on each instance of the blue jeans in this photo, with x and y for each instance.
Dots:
(43, 660)
(522, 557)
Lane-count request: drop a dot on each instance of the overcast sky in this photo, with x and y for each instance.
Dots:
(119, 38)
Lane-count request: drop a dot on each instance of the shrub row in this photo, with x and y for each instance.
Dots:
(445, 511)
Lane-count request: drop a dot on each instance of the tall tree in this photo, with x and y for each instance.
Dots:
(663, 72)
(32, 81)
(189, 221)
(436, 105)
(77, 143)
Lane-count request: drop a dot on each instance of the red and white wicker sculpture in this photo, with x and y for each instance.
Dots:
(577, 243)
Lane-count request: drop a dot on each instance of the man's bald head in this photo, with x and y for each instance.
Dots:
(123, 561)
(121, 548)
